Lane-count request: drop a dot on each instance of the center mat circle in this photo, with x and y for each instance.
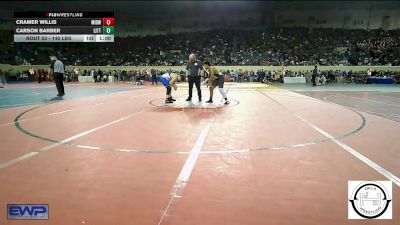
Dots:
(282, 147)
(181, 103)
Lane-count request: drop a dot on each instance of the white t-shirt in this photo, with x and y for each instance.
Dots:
(168, 76)
(58, 67)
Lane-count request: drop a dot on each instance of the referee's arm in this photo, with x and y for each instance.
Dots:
(201, 68)
(51, 73)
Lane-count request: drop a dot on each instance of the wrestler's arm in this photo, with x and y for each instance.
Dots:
(172, 82)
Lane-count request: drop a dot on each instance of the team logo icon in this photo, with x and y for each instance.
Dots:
(370, 200)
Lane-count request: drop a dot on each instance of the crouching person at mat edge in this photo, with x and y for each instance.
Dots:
(215, 79)
(169, 79)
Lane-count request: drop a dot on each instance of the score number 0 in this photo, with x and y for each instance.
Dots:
(108, 21)
(108, 25)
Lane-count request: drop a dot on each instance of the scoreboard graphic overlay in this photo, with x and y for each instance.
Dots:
(64, 26)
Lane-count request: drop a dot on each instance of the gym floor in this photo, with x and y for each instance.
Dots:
(117, 154)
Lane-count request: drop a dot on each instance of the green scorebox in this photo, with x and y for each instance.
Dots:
(108, 29)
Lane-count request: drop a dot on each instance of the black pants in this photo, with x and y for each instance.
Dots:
(262, 78)
(153, 79)
(58, 79)
(196, 81)
(313, 81)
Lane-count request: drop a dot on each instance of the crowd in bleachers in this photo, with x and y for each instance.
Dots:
(324, 76)
(272, 46)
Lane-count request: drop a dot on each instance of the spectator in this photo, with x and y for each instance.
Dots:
(2, 78)
(314, 76)
(58, 73)
(153, 76)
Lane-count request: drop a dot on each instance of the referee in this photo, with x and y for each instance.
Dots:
(58, 74)
(194, 68)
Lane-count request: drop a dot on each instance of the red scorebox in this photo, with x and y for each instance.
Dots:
(108, 21)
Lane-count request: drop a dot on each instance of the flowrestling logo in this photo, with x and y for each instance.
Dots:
(27, 211)
(370, 200)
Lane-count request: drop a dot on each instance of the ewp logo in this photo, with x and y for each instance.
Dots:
(27, 212)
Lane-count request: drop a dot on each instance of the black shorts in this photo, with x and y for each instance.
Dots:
(219, 81)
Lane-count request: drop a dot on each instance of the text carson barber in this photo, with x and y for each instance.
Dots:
(38, 30)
